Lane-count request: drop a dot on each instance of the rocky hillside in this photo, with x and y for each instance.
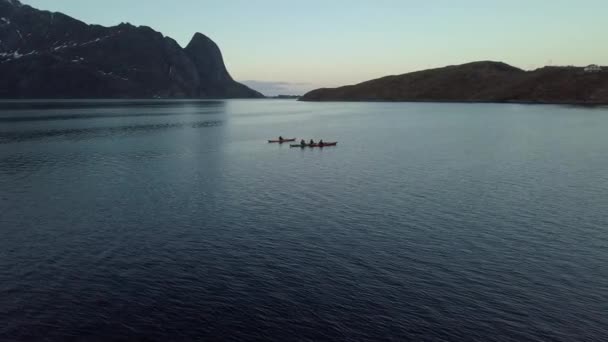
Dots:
(478, 82)
(51, 55)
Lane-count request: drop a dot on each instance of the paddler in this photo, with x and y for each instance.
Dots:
(302, 142)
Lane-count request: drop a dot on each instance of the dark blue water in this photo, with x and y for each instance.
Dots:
(428, 222)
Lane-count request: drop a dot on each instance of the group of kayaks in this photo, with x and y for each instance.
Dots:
(303, 145)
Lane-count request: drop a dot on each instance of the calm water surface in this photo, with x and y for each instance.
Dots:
(176, 220)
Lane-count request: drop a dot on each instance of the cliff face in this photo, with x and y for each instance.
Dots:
(51, 55)
(478, 82)
(211, 71)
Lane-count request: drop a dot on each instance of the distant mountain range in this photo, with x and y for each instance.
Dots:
(51, 55)
(480, 82)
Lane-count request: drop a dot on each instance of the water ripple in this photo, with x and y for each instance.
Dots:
(431, 222)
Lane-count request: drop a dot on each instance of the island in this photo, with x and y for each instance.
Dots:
(484, 81)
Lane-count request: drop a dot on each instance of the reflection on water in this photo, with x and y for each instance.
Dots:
(11, 112)
(80, 116)
(98, 132)
(78, 120)
(47, 105)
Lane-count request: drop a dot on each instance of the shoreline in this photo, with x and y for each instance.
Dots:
(567, 103)
(51, 100)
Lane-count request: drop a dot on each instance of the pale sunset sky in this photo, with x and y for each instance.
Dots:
(283, 46)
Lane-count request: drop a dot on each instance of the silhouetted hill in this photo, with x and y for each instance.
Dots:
(51, 55)
(478, 82)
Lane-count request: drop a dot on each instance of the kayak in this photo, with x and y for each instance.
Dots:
(325, 144)
(281, 141)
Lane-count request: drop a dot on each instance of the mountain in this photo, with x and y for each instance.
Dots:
(51, 55)
(484, 81)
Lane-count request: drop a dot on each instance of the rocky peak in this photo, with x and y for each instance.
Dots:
(11, 2)
(207, 57)
(7, 7)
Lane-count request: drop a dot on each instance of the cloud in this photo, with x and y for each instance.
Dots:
(273, 88)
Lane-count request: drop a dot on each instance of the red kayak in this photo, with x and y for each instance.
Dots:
(325, 144)
(281, 141)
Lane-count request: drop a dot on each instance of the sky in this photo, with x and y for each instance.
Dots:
(290, 47)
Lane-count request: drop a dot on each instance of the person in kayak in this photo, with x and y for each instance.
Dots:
(321, 142)
(312, 142)
(281, 138)
(302, 142)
